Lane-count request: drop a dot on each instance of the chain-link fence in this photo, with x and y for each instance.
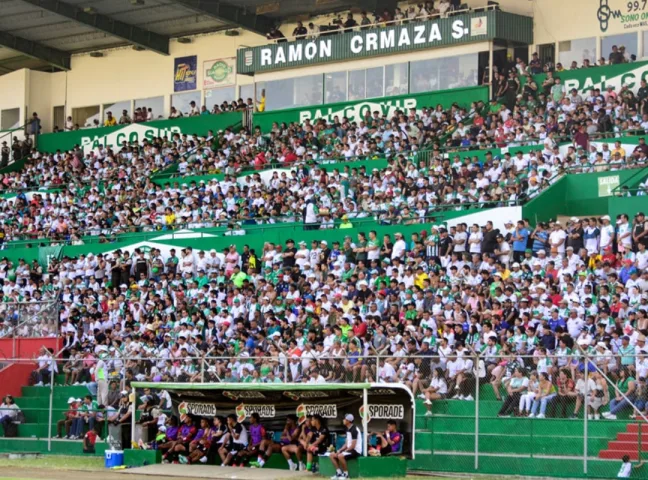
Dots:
(567, 414)
(29, 319)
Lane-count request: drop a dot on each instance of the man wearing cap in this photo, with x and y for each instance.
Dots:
(351, 449)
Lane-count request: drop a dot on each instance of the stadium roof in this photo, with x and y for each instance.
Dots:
(42, 34)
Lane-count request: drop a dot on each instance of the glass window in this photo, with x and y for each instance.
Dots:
(357, 86)
(182, 101)
(335, 87)
(279, 93)
(626, 40)
(155, 104)
(308, 90)
(117, 109)
(292, 92)
(86, 117)
(10, 119)
(375, 82)
(424, 75)
(396, 79)
(216, 96)
(577, 51)
(247, 91)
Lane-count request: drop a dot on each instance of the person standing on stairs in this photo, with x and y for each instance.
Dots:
(101, 373)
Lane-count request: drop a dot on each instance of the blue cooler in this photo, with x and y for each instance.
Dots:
(114, 458)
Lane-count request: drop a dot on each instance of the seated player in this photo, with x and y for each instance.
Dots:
(389, 441)
(319, 441)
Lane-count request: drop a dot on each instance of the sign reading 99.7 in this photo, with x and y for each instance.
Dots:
(630, 14)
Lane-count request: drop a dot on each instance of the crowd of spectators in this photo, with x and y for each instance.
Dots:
(109, 191)
(348, 22)
(439, 311)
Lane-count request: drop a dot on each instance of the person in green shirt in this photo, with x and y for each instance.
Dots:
(87, 414)
(238, 277)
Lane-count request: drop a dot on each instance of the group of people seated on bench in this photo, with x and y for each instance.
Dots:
(238, 442)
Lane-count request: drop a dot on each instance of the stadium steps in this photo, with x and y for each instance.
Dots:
(628, 443)
(34, 403)
(498, 465)
(59, 447)
(452, 430)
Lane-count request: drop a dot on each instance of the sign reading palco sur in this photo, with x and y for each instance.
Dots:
(366, 43)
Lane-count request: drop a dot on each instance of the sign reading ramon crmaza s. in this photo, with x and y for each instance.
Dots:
(366, 43)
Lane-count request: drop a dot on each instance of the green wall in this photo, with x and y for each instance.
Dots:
(580, 195)
(355, 110)
(629, 205)
(114, 136)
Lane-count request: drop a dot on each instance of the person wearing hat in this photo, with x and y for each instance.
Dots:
(68, 418)
(352, 448)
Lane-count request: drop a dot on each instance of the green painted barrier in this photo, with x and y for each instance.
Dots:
(112, 137)
(355, 111)
(584, 79)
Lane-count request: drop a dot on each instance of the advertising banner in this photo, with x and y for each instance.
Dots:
(617, 76)
(185, 73)
(114, 137)
(219, 73)
(275, 402)
(357, 111)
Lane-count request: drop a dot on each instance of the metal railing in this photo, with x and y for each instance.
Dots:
(480, 401)
(35, 319)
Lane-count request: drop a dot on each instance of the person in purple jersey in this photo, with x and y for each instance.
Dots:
(171, 435)
(390, 441)
(199, 445)
(299, 447)
(186, 434)
(289, 436)
(257, 434)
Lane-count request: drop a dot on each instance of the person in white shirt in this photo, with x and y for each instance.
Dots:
(399, 248)
(607, 234)
(557, 238)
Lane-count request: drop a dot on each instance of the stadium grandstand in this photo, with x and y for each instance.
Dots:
(336, 238)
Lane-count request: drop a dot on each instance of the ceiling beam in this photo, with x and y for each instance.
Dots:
(131, 33)
(239, 16)
(36, 50)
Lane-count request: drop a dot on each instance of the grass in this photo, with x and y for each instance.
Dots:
(95, 464)
(56, 463)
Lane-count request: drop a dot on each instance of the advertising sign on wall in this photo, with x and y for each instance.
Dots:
(219, 73)
(621, 13)
(185, 73)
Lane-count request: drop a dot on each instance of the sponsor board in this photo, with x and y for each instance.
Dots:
(244, 410)
(243, 395)
(323, 409)
(305, 395)
(367, 43)
(383, 412)
(195, 408)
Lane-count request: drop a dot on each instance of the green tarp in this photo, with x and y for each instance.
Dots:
(113, 137)
(356, 110)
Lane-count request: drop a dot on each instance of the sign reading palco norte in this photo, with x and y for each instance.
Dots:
(366, 43)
